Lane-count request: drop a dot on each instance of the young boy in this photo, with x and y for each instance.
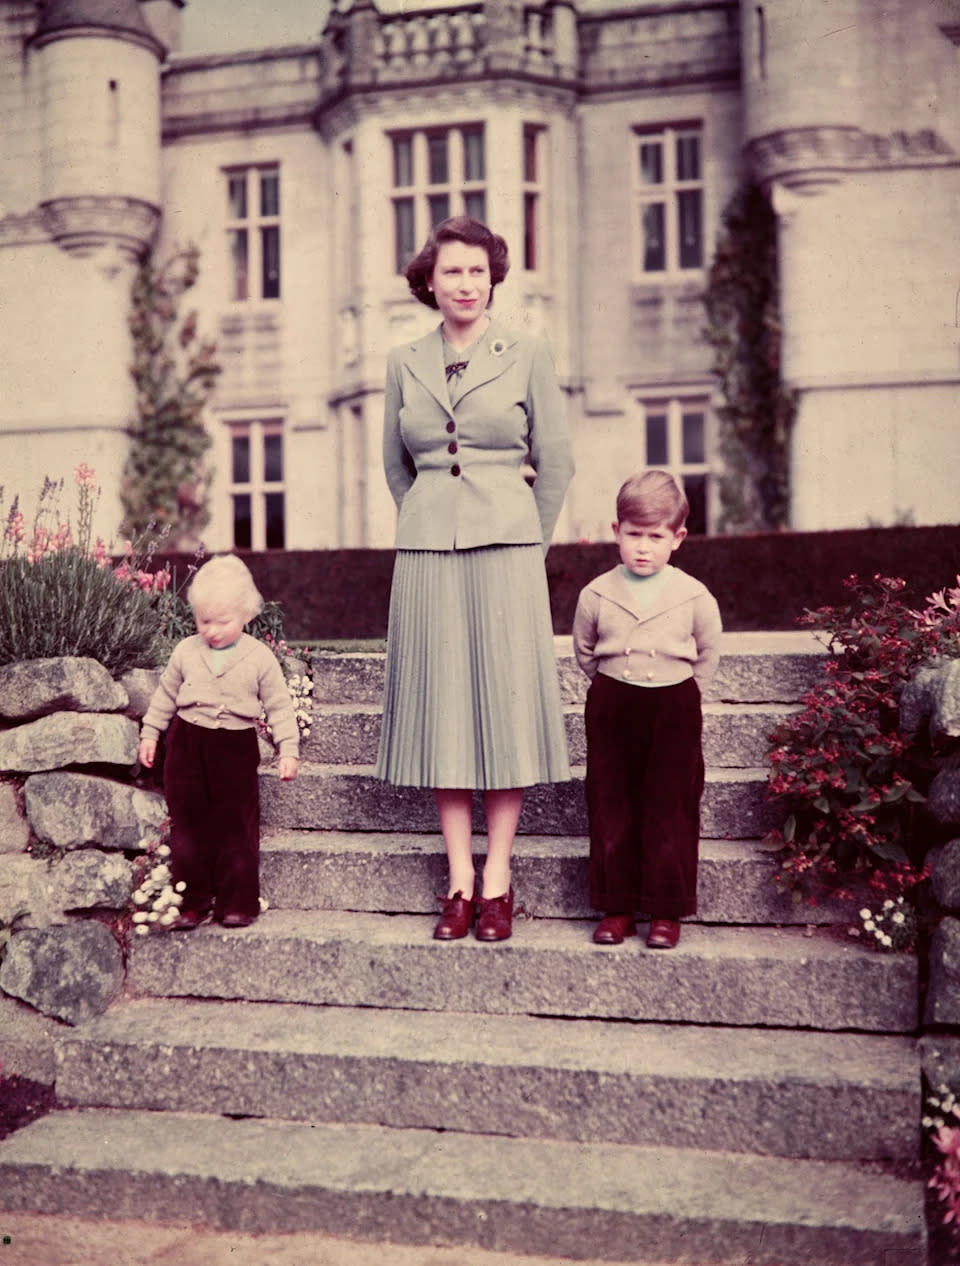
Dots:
(647, 635)
(211, 695)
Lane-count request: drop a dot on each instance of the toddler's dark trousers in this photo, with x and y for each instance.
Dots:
(213, 796)
(644, 783)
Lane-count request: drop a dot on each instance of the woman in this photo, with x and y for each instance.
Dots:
(477, 457)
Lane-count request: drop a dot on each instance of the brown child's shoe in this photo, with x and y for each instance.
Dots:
(612, 928)
(663, 934)
(188, 920)
(237, 920)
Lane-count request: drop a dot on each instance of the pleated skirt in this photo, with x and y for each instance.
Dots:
(471, 698)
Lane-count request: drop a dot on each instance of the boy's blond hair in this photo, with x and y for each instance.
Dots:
(652, 497)
(227, 582)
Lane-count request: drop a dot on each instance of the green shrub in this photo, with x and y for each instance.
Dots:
(66, 603)
(850, 784)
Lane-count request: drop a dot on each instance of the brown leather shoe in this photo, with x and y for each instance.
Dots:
(236, 920)
(663, 934)
(612, 928)
(495, 917)
(188, 920)
(457, 917)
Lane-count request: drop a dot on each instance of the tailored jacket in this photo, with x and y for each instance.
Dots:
(457, 470)
(229, 698)
(676, 637)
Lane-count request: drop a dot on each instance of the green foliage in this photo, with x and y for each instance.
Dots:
(742, 301)
(67, 604)
(165, 482)
(61, 596)
(851, 785)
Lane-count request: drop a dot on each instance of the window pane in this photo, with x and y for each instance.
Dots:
(688, 157)
(242, 525)
(695, 486)
(651, 163)
(475, 204)
(530, 230)
(654, 245)
(689, 231)
(273, 458)
(238, 257)
(439, 204)
(240, 459)
(530, 154)
(656, 439)
(439, 172)
(270, 246)
(474, 166)
(237, 196)
(403, 232)
(694, 439)
(403, 160)
(273, 505)
(269, 193)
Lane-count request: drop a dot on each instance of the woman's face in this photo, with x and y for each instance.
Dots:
(461, 282)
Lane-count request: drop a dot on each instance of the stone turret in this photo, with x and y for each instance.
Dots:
(801, 90)
(97, 62)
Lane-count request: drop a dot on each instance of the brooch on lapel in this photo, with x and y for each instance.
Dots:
(497, 347)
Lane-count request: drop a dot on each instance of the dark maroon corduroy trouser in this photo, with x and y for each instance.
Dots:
(644, 783)
(213, 796)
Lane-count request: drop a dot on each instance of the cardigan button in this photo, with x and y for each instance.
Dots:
(653, 654)
(627, 672)
(452, 446)
(451, 427)
(649, 676)
(454, 470)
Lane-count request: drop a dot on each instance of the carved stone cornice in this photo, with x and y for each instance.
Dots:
(23, 230)
(83, 226)
(332, 119)
(810, 159)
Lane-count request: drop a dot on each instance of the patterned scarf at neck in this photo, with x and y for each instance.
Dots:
(456, 368)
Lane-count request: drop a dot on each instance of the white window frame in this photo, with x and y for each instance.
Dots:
(674, 407)
(533, 192)
(257, 487)
(456, 188)
(253, 223)
(666, 192)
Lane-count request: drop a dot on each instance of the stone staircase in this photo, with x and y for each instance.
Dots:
(751, 1096)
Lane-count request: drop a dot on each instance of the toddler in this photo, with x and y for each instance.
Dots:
(647, 635)
(211, 695)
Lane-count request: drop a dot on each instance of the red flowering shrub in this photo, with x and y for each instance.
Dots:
(851, 785)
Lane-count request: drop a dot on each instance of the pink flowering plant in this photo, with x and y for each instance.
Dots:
(850, 784)
(62, 593)
(942, 1123)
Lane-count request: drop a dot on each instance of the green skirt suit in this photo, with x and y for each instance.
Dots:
(478, 462)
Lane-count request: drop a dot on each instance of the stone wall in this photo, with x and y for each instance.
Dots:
(72, 822)
(931, 704)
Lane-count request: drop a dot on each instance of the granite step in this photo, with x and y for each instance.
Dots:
(563, 1199)
(778, 978)
(836, 1096)
(734, 734)
(754, 668)
(397, 873)
(350, 798)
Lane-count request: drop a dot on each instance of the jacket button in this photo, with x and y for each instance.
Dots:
(451, 427)
(649, 676)
(653, 654)
(452, 446)
(454, 470)
(627, 672)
